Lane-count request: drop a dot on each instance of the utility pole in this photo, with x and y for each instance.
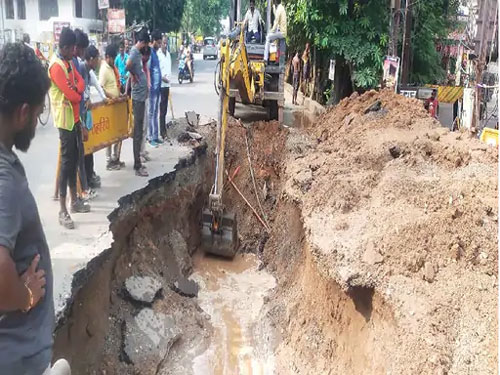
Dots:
(394, 27)
(484, 8)
(3, 27)
(405, 57)
(268, 17)
(232, 17)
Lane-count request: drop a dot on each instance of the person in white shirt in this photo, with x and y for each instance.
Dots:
(253, 19)
(278, 30)
(27, 40)
(87, 68)
(166, 73)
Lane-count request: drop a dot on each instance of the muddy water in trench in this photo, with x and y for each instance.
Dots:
(232, 293)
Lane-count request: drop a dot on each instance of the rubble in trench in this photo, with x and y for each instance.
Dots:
(383, 244)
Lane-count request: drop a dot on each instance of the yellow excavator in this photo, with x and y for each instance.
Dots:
(242, 75)
(251, 80)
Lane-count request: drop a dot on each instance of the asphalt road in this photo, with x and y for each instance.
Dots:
(71, 250)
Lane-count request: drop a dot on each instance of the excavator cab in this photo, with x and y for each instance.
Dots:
(252, 80)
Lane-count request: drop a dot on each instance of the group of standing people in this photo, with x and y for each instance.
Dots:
(149, 68)
(144, 74)
(72, 74)
(301, 70)
(26, 280)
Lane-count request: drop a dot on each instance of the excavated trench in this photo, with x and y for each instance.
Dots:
(153, 304)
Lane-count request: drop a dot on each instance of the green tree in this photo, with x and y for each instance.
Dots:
(204, 16)
(356, 32)
(164, 15)
(353, 32)
(432, 22)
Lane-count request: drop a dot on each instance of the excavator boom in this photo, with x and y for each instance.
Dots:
(248, 77)
(219, 231)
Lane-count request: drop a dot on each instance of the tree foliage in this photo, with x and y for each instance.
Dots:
(352, 30)
(356, 34)
(204, 16)
(432, 21)
(164, 15)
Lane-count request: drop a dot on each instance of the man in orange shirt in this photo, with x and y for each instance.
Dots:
(432, 105)
(66, 91)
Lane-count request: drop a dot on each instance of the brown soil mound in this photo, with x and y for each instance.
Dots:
(396, 183)
(400, 220)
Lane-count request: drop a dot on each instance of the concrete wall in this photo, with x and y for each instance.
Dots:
(43, 30)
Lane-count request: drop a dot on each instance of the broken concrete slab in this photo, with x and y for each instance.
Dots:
(429, 272)
(371, 255)
(348, 119)
(395, 151)
(183, 137)
(142, 288)
(177, 127)
(192, 118)
(179, 247)
(374, 107)
(185, 287)
(195, 136)
(148, 339)
(204, 120)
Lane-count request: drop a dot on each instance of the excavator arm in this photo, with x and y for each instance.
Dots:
(240, 72)
(219, 231)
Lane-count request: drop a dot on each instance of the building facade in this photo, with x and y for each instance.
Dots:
(37, 18)
(482, 22)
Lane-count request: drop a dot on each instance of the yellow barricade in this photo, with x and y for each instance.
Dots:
(490, 137)
(111, 124)
(448, 94)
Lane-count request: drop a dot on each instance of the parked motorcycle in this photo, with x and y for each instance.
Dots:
(184, 71)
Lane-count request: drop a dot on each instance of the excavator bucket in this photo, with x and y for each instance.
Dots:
(219, 239)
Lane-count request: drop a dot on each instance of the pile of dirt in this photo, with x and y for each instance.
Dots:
(384, 240)
(396, 183)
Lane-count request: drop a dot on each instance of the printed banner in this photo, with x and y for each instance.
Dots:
(58, 26)
(331, 71)
(103, 4)
(116, 21)
(391, 72)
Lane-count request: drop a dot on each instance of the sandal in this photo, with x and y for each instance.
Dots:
(88, 195)
(113, 166)
(141, 172)
(66, 221)
(80, 206)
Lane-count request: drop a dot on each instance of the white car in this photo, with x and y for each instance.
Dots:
(210, 49)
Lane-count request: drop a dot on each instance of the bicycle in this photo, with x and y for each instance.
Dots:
(43, 119)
